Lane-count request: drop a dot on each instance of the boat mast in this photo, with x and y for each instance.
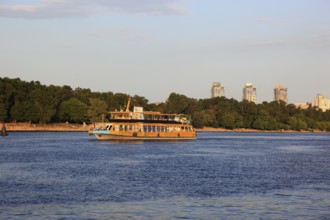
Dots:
(128, 104)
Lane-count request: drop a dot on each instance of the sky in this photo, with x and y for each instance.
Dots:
(152, 48)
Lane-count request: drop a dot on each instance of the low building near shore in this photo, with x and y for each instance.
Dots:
(304, 105)
(322, 103)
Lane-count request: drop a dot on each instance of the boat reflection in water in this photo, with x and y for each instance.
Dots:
(144, 125)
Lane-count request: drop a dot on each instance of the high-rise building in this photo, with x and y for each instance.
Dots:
(250, 93)
(281, 93)
(217, 90)
(321, 102)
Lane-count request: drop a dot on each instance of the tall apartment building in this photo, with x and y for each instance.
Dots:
(281, 93)
(250, 93)
(321, 102)
(217, 90)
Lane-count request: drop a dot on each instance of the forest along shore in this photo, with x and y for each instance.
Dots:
(67, 127)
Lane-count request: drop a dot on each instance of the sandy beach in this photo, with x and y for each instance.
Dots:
(46, 127)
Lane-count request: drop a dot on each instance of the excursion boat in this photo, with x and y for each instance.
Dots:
(144, 125)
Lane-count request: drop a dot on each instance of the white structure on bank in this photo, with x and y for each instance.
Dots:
(250, 93)
(321, 102)
(281, 94)
(217, 90)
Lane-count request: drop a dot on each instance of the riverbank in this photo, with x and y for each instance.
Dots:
(67, 127)
(250, 130)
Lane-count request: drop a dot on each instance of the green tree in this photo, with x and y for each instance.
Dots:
(264, 122)
(25, 111)
(3, 112)
(297, 123)
(97, 109)
(119, 101)
(73, 110)
(231, 120)
(139, 101)
(83, 95)
(177, 103)
(45, 103)
(209, 118)
(248, 111)
(198, 120)
(3, 109)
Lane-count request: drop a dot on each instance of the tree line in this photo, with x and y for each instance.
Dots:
(23, 101)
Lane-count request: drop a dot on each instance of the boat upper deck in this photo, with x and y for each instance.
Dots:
(149, 116)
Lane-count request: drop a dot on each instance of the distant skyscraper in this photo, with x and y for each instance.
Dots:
(217, 90)
(250, 93)
(321, 102)
(281, 93)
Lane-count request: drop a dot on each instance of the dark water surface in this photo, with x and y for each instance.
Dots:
(47, 175)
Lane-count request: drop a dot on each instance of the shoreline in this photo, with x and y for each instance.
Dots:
(67, 127)
(58, 127)
(251, 130)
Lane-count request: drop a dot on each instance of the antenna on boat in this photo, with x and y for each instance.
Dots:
(128, 104)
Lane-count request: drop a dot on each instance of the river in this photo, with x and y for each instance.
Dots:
(70, 175)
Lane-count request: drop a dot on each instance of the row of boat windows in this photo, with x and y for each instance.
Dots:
(150, 128)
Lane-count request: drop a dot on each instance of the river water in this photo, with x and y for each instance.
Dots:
(58, 175)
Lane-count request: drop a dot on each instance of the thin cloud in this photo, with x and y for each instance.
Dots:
(267, 43)
(122, 33)
(43, 9)
(309, 41)
(322, 40)
(268, 20)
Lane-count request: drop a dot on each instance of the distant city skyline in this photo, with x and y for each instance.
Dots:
(153, 48)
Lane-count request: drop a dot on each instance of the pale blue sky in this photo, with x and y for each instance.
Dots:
(154, 47)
